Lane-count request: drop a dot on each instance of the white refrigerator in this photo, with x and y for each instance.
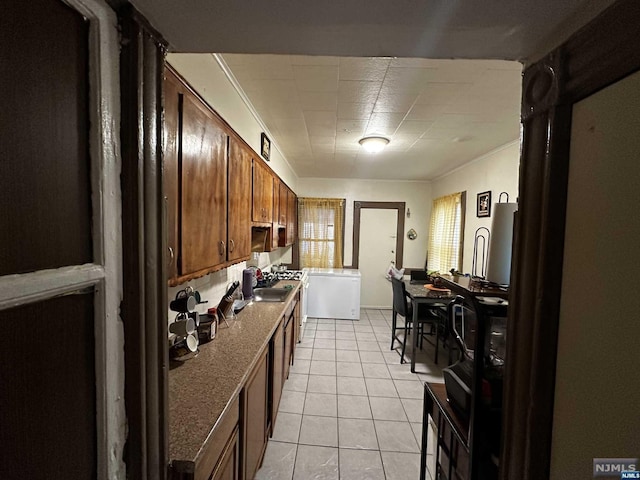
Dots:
(333, 293)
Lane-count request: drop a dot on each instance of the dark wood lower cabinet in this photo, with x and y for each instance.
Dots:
(228, 466)
(277, 372)
(234, 451)
(255, 416)
(288, 346)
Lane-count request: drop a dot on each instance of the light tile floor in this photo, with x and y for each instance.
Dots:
(349, 409)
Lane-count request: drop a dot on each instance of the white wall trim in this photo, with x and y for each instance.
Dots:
(478, 159)
(22, 289)
(106, 198)
(236, 85)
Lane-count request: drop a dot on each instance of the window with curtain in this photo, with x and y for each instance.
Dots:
(446, 233)
(320, 225)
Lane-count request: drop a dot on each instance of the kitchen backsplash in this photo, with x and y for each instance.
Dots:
(214, 285)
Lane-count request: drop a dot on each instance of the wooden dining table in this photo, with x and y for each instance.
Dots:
(420, 295)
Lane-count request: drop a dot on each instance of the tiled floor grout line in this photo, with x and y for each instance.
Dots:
(311, 335)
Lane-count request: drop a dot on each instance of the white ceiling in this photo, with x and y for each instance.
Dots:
(494, 29)
(438, 114)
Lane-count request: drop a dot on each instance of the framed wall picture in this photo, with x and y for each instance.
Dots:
(265, 149)
(483, 205)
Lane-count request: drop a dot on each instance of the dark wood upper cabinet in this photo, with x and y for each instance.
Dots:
(173, 92)
(283, 210)
(239, 198)
(275, 217)
(204, 188)
(262, 193)
(292, 217)
(215, 188)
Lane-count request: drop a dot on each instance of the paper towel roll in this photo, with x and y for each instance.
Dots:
(500, 246)
(248, 276)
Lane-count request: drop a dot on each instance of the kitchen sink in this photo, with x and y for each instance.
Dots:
(270, 294)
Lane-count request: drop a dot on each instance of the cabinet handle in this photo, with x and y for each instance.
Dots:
(232, 245)
(171, 255)
(222, 247)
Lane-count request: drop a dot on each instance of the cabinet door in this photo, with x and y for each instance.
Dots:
(284, 205)
(204, 188)
(170, 144)
(255, 418)
(288, 339)
(239, 206)
(262, 193)
(275, 213)
(268, 197)
(227, 468)
(277, 376)
(292, 218)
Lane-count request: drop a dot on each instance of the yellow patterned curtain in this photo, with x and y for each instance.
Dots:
(320, 224)
(445, 234)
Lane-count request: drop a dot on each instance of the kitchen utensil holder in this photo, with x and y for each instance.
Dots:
(225, 307)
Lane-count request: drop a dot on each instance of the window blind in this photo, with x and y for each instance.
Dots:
(445, 233)
(320, 224)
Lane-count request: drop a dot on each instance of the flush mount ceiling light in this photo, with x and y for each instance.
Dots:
(373, 144)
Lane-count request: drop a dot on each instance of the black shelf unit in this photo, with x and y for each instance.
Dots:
(483, 421)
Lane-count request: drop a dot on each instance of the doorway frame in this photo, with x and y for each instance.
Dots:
(603, 52)
(399, 207)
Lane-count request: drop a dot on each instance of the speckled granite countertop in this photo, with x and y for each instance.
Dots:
(201, 388)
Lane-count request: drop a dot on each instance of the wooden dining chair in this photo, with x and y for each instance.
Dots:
(403, 307)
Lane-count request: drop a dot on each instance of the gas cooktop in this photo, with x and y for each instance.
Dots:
(270, 279)
(289, 275)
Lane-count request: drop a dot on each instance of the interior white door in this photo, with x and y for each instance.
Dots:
(378, 231)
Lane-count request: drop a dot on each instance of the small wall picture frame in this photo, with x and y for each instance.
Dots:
(483, 204)
(265, 146)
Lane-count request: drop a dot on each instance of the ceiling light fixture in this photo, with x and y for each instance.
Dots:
(373, 144)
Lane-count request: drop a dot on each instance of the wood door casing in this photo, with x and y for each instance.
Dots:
(598, 55)
(239, 201)
(400, 207)
(204, 188)
(62, 380)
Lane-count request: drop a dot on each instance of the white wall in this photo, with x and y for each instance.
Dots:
(416, 195)
(497, 172)
(598, 373)
(206, 77)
